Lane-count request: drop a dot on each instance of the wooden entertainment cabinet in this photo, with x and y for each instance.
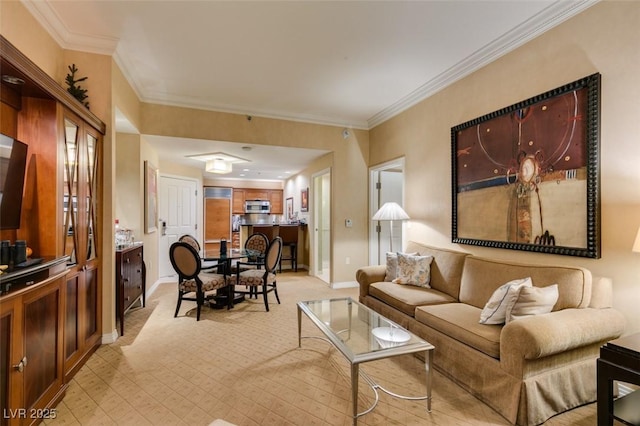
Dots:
(51, 313)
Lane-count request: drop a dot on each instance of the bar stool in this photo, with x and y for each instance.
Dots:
(289, 235)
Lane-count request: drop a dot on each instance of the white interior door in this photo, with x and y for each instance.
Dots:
(387, 185)
(177, 200)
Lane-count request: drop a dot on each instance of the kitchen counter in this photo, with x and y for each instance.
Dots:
(271, 230)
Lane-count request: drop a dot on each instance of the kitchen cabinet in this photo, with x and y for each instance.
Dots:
(256, 194)
(130, 280)
(275, 197)
(238, 201)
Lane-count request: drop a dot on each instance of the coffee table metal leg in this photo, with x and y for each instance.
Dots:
(428, 362)
(355, 372)
(299, 327)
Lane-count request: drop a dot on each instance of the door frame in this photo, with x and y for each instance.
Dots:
(316, 213)
(374, 205)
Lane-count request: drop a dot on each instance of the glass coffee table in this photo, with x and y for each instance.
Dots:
(363, 335)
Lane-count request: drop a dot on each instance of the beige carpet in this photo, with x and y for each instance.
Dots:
(244, 366)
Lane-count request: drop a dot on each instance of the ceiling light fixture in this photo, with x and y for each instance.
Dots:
(219, 166)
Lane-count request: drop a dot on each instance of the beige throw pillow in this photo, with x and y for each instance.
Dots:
(495, 310)
(533, 301)
(391, 271)
(414, 270)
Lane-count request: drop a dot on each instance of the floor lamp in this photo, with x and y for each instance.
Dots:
(390, 212)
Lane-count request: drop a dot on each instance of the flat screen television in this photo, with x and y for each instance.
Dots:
(13, 164)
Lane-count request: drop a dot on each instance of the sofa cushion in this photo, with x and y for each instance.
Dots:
(391, 271)
(532, 301)
(406, 298)
(446, 267)
(460, 321)
(481, 277)
(414, 270)
(495, 311)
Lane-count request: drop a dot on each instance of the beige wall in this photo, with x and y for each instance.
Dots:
(603, 39)
(36, 43)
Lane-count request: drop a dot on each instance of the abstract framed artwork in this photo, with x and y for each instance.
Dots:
(150, 198)
(527, 177)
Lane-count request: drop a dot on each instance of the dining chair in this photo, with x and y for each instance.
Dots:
(192, 282)
(193, 242)
(257, 243)
(262, 280)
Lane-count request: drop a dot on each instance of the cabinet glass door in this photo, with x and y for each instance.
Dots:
(71, 168)
(92, 196)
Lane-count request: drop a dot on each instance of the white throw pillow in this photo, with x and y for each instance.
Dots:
(414, 270)
(495, 311)
(533, 301)
(392, 266)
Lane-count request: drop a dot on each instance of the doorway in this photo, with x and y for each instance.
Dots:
(321, 262)
(386, 185)
(177, 200)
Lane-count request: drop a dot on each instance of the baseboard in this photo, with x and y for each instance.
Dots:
(345, 284)
(110, 337)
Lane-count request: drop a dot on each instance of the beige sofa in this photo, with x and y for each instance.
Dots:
(527, 370)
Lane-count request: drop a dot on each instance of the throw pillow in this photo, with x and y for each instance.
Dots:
(414, 270)
(533, 301)
(392, 266)
(495, 310)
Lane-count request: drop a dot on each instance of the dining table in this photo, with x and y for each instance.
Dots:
(224, 266)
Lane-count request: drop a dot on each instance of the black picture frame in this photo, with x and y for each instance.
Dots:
(527, 177)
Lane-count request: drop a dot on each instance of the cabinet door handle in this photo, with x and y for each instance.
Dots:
(21, 365)
(127, 260)
(138, 270)
(126, 280)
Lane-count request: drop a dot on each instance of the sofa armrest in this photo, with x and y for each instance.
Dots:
(543, 335)
(368, 275)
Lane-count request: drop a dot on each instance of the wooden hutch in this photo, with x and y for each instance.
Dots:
(50, 313)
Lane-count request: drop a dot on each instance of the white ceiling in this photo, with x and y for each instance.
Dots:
(351, 64)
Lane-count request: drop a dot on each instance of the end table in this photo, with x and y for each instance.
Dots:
(619, 360)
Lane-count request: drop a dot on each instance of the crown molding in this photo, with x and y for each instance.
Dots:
(550, 17)
(49, 19)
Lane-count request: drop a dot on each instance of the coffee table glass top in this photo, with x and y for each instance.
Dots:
(360, 333)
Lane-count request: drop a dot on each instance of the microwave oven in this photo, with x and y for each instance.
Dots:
(257, 206)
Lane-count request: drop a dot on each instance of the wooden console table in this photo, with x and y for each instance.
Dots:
(131, 277)
(619, 360)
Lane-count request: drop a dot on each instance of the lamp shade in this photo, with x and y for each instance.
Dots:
(218, 166)
(390, 211)
(636, 243)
